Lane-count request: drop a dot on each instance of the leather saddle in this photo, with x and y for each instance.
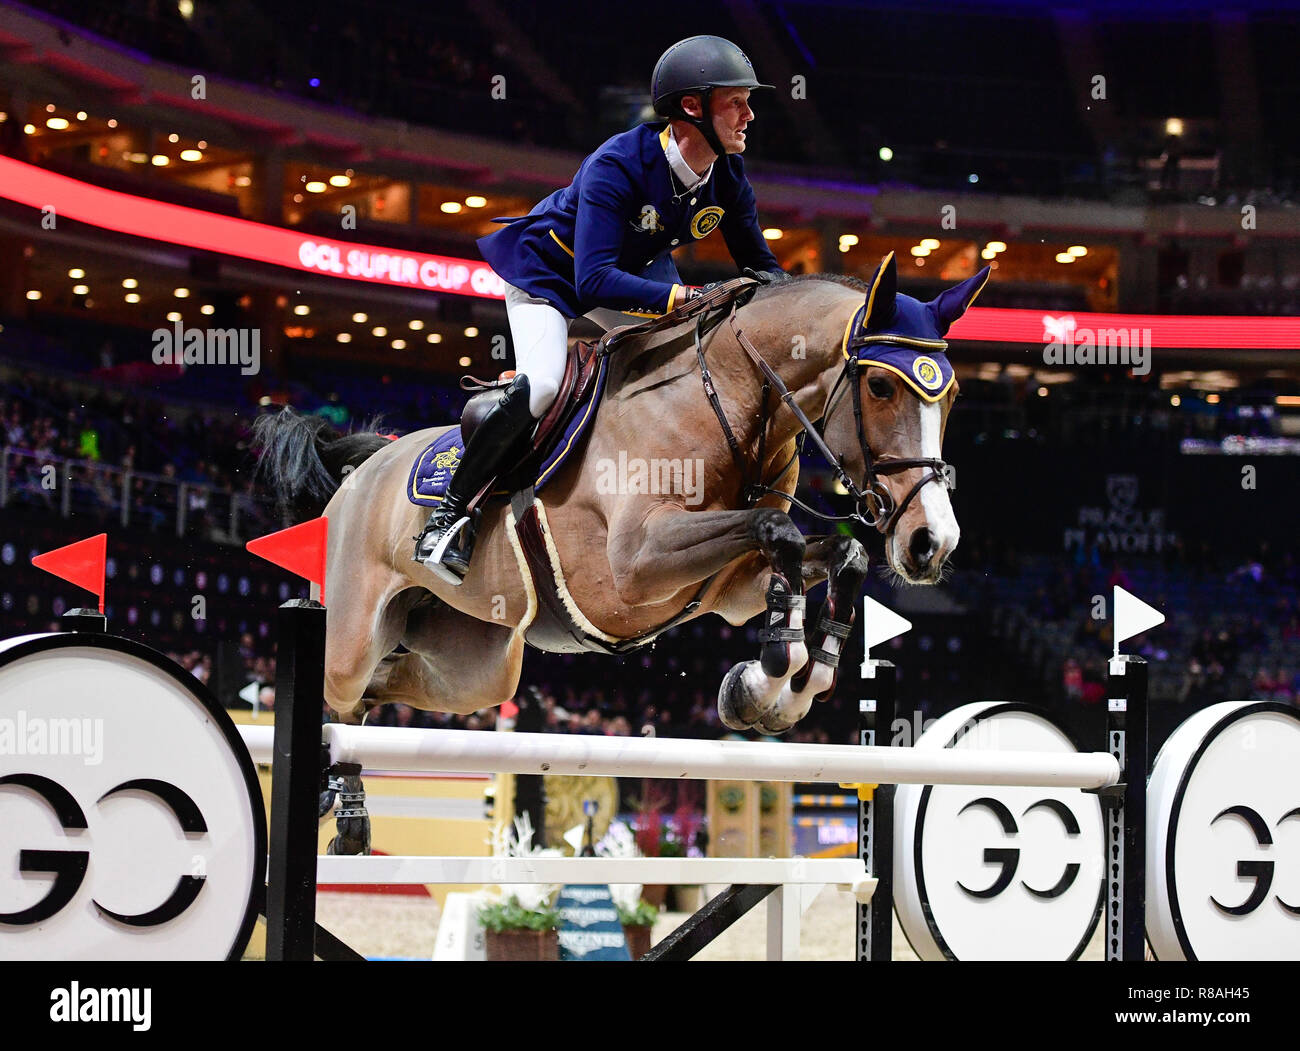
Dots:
(588, 341)
(533, 449)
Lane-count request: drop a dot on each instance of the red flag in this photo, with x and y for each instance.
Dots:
(81, 563)
(300, 549)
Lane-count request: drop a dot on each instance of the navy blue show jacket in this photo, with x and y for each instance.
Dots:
(606, 239)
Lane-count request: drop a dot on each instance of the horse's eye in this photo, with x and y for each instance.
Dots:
(880, 387)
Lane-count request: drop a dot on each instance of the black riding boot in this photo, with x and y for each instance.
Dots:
(437, 547)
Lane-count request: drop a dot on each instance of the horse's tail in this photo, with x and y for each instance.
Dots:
(301, 460)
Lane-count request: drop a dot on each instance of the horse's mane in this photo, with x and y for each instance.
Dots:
(786, 280)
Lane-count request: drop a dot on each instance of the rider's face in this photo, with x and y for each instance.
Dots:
(730, 110)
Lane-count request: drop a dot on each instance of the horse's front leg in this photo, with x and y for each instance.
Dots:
(843, 562)
(751, 691)
(657, 555)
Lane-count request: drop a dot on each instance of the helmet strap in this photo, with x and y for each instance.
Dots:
(705, 122)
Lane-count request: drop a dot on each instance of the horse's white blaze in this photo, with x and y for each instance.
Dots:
(934, 497)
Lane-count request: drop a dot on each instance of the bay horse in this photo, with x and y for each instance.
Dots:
(863, 360)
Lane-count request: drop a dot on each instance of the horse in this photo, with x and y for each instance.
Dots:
(629, 560)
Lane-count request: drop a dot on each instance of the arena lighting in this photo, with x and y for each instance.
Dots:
(1078, 251)
(1174, 126)
(379, 331)
(773, 233)
(988, 253)
(1212, 399)
(33, 294)
(132, 297)
(76, 273)
(129, 282)
(191, 155)
(29, 129)
(398, 344)
(345, 337)
(845, 247)
(886, 154)
(112, 123)
(464, 362)
(435, 337)
(173, 315)
(340, 181)
(450, 207)
(207, 308)
(1175, 401)
(1185, 331)
(475, 202)
(80, 290)
(302, 309)
(997, 246)
(181, 293)
(316, 186)
(173, 138)
(920, 250)
(58, 124)
(158, 221)
(81, 114)
(416, 325)
(849, 239)
(360, 318)
(1064, 257)
(471, 332)
(930, 243)
(160, 160)
(243, 180)
(207, 231)
(1287, 401)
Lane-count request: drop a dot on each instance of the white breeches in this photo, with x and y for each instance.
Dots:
(541, 337)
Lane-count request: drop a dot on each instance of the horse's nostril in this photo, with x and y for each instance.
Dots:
(921, 547)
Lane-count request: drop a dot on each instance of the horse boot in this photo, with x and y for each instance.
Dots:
(437, 546)
(351, 819)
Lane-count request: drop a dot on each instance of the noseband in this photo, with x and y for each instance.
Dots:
(873, 506)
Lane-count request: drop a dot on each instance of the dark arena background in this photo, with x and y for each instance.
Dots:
(1126, 167)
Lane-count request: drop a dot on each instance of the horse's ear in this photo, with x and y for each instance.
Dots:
(881, 307)
(952, 303)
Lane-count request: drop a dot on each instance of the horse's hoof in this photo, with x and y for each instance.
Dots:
(773, 727)
(739, 707)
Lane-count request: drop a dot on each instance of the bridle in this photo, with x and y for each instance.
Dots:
(873, 506)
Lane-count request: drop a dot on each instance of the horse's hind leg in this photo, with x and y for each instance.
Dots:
(456, 663)
(366, 618)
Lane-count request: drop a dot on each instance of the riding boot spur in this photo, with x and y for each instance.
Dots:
(446, 543)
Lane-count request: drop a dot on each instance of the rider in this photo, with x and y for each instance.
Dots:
(606, 241)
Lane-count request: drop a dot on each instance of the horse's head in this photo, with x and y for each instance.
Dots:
(886, 415)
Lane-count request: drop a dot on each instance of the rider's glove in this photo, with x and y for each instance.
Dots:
(763, 277)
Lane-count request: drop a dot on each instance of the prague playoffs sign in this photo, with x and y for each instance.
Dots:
(1123, 526)
(131, 821)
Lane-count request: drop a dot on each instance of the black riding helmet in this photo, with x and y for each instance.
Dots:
(695, 66)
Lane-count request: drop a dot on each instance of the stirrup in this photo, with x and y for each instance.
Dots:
(447, 570)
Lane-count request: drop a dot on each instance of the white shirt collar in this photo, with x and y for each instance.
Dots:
(684, 172)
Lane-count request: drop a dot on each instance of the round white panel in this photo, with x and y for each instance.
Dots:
(131, 823)
(997, 873)
(1223, 836)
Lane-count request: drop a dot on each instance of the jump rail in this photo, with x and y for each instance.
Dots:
(471, 751)
(1119, 775)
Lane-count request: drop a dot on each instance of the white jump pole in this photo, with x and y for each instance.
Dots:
(477, 751)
